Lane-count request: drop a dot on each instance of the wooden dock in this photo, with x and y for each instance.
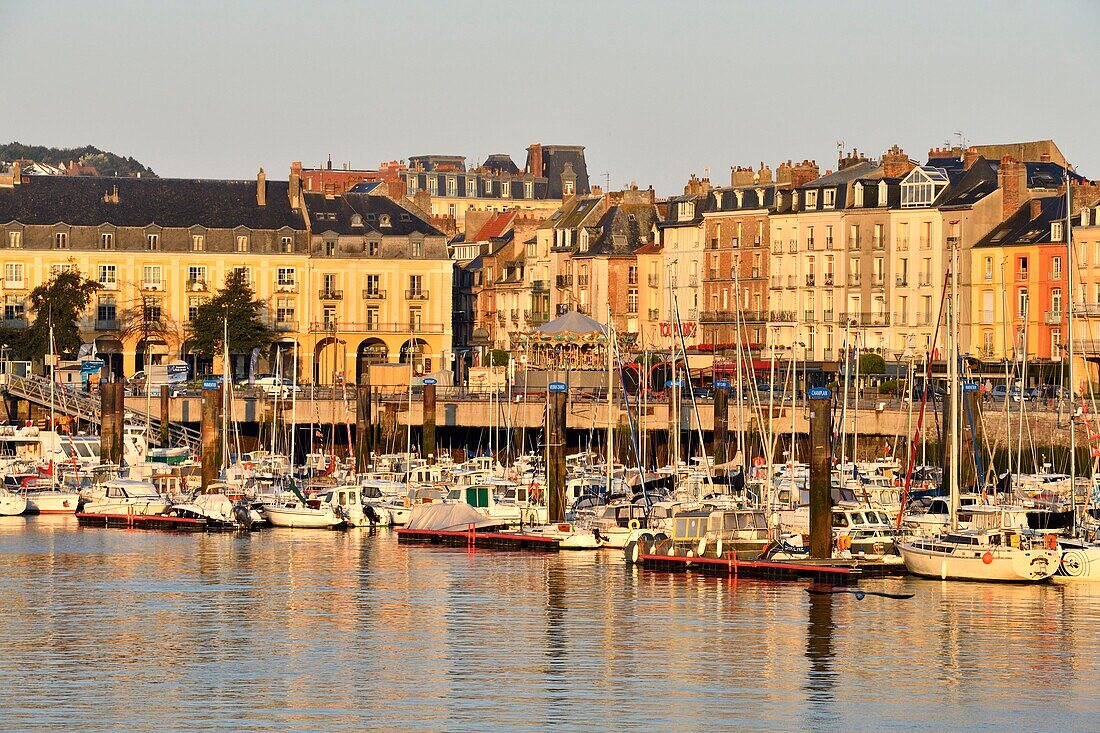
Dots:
(142, 521)
(837, 572)
(482, 540)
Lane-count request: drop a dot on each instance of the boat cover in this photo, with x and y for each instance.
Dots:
(448, 517)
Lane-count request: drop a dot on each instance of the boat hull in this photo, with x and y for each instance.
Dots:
(12, 505)
(1079, 563)
(301, 518)
(1001, 564)
(52, 502)
(141, 508)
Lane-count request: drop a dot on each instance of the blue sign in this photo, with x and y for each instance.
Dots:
(970, 387)
(819, 393)
(91, 366)
(428, 381)
(556, 387)
(722, 384)
(677, 383)
(210, 384)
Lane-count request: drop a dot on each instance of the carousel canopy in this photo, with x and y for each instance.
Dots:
(571, 323)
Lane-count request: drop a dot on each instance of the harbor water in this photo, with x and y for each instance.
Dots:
(314, 630)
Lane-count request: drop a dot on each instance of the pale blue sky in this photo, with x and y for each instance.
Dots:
(656, 91)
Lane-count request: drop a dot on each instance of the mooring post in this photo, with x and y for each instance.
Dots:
(211, 458)
(427, 430)
(555, 472)
(164, 410)
(721, 422)
(821, 459)
(363, 429)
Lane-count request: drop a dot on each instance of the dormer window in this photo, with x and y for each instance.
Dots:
(411, 185)
(528, 189)
(811, 199)
(740, 198)
(922, 186)
(760, 196)
(356, 220)
(452, 186)
(384, 220)
(471, 187)
(685, 211)
(406, 217)
(488, 188)
(829, 198)
(1085, 217)
(882, 193)
(505, 189)
(1056, 231)
(858, 192)
(778, 200)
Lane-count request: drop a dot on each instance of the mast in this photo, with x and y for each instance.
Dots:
(953, 383)
(1070, 264)
(53, 375)
(293, 407)
(609, 460)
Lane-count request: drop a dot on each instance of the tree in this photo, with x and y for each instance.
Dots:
(60, 301)
(145, 321)
(499, 357)
(236, 304)
(871, 363)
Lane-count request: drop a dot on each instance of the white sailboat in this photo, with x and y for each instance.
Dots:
(989, 551)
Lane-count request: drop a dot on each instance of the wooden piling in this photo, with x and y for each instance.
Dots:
(821, 465)
(164, 412)
(427, 439)
(721, 423)
(211, 455)
(555, 471)
(363, 429)
(110, 420)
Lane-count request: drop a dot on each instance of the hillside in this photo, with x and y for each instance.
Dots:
(108, 164)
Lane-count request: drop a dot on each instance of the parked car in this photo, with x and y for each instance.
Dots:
(276, 387)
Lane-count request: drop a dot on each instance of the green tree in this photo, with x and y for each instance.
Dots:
(236, 304)
(60, 301)
(499, 357)
(871, 363)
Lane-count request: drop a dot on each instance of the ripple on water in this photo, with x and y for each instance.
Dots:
(300, 630)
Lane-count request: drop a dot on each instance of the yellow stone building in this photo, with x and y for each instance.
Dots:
(350, 280)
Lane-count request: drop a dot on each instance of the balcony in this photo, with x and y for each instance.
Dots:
(712, 273)
(792, 281)
(1055, 274)
(197, 286)
(1086, 347)
(754, 316)
(564, 281)
(903, 245)
(717, 316)
(986, 318)
(853, 243)
(514, 313)
(537, 318)
(925, 243)
(106, 324)
(853, 279)
(585, 309)
(416, 295)
(754, 273)
(374, 294)
(829, 280)
(811, 280)
(776, 282)
(878, 280)
(16, 324)
(693, 280)
(539, 286)
(286, 286)
(582, 281)
(1021, 275)
(284, 326)
(925, 280)
(153, 287)
(1091, 310)
(781, 316)
(777, 247)
(792, 246)
(810, 244)
(808, 316)
(1053, 318)
(22, 285)
(901, 281)
(987, 352)
(326, 294)
(924, 319)
(692, 314)
(654, 314)
(865, 319)
(374, 327)
(877, 244)
(828, 243)
(654, 280)
(827, 315)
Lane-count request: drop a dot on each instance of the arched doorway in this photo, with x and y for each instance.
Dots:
(418, 349)
(328, 360)
(370, 351)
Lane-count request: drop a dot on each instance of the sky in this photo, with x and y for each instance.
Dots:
(656, 91)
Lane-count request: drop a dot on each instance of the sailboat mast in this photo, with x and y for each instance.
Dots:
(953, 383)
(609, 459)
(1071, 263)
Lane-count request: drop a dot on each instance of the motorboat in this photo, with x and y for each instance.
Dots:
(11, 503)
(218, 510)
(295, 513)
(706, 532)
(125, 496)
(995, 554)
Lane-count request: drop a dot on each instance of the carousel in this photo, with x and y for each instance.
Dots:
(570, 342)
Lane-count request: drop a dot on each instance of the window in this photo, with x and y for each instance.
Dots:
(829, 196)
(858, 190)
(196, 277)
(471, 187)
(193, 305)
(1056, 301)
(1021, 302)
(384, 220)
(330, 248)
(329, 283)
(106, 311)
(372, 318)
(1056, 231)
(284, 310)
(685, 211)
(416, 248)
(811, 199)
(528, 190)
(988, 270)
(416, 286)
(152, 242)
(286, 245)
(632, 300)
(151, 277)
(15, 240)
(14, 309)
(286, 277)
(247, 273)
(411, 185)
(1056, 268)
(152, 310)
(106, 240)
(373, 284)
(632, 275)
(60, 240)
(13, 275)
(374, 249)
(242, 243)
(505, 189)
(108, 276)
(56, 270)
(488, 188)
(415, 318)
(452, 186)
(433, 185)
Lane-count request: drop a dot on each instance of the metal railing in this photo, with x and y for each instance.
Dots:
(374, 327)
(1053, 318)
(326, 294)
(374, 294)
(86, 407)
(416, 295)
(653, 280)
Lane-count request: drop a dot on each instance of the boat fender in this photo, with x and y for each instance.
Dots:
(634, 524)
(844, 542)
(1051, 541)
(987, 558)
(702, 549)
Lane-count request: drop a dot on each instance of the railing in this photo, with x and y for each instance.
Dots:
(808, 316)
(515, 315)
(866, 319)
(1055, 274)
(693, 314)
(853, 279)
(810, 280)
(776, 282)
(286, 287)
(925, 280)
(986, 318)
(197, 286)
(1021, 274)
(563, 281)
(582, 281)
(283, 326)
(777, 247)
(693, 280)
(325, 294)
(901, 281)
(84, 406)
(372, 294)
(106, 324)
(712, 273)
(717, 316)
(22, 285)
(653, 280)
(827, 315)
(537, 318)
(375, 327)
(878, 244)
(903, 245)
(792, 246)
(810, 244)
(792, 281)
(781, 316)
(1086, 309)
(152, 287)
(829, 280)
(987, 352)
(925, 243)
(755, 273)
(828, 243)
(853, 243)
(416, 295)
(654, 314)
(1086, 346)
(924, 319)
(878, 280)
(539, 286)
(16, 323)
(1053, 318)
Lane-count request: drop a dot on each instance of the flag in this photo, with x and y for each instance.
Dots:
(253, 365)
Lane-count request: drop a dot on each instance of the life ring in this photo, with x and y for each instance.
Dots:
(634, 524)
(844, 542)
(1051, 541)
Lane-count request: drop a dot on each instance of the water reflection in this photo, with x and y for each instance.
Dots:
(304, 630)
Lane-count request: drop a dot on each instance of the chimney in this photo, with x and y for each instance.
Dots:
(261, 188)
(742, 176)
(534, 159)
(111, 197)
(853, 158)
(803, 173)
(1036, 208)
(895, 163)
(329, 164)
(765, 174)
(295, 189)
(970, 157)
(1012, 180)
(783, 173)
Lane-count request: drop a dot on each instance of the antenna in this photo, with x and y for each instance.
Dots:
(839, 148)
(962, 139)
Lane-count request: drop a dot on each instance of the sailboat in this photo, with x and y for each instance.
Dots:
(989, 550)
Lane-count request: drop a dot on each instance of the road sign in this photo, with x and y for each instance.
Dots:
(210, 384)
(556, 387)
(970, 387)
(429, 381)
(819, 393)
(722, 384)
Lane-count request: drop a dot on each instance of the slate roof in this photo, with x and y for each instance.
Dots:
(623, 229)
(1021, 228)
(500, 163)
(750, 198)
(572, 214)
(971, 187)
(166, 202)
(335, 215)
